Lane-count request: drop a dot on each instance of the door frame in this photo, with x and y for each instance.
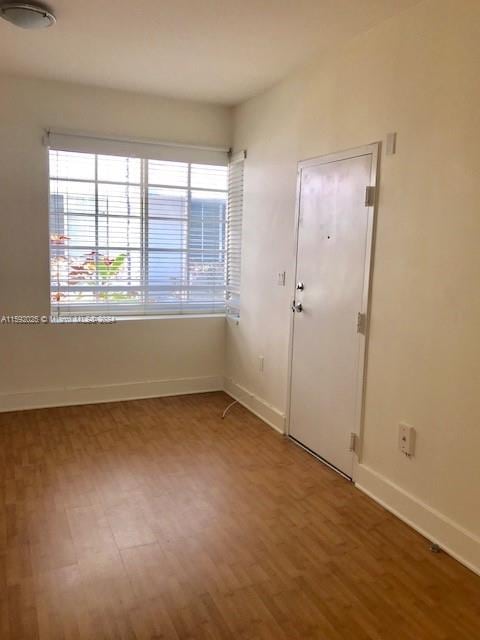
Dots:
(373, 149)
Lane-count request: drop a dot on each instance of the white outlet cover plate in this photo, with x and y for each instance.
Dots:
(406, 439)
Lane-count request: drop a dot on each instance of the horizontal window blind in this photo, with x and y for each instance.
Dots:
(234, 233)
(134, 235)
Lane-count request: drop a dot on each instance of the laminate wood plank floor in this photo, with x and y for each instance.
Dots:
(156, 519)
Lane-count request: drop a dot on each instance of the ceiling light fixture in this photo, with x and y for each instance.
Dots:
(26, 15)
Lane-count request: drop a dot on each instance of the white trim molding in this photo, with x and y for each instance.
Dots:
(262, 409)
(65, 396)
(461, 544)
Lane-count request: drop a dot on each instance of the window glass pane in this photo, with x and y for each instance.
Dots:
(119, 200)
(173, 174)
(73, 197)
(206, 244)
(207, 295)
(79, 231)
(65, 164)
(74, 298)
(167, 203)
(207, 223)
(167, 234)
(122, 298)
(119, 232)
(213, 202)
(207, 176)
(116, 268)
(206, 274)
(166, 269)
(72, 267)
(119, 169)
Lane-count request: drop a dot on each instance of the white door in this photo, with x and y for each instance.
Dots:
(335, 226)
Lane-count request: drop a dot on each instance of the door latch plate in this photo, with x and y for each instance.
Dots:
(353, 444)
(362, 323)
(370, 193)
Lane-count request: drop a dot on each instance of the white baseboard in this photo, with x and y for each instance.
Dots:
(66, 396)
(266, 412)
(461, 544)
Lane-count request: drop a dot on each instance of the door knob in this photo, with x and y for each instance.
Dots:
(300, 286)
(297, 307)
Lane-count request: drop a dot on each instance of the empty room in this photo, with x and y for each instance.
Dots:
(239, 320)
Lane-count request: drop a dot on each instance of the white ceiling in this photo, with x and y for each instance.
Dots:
(212, 50)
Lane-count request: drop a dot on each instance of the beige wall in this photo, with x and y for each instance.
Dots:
(48, 358)
(416, 74)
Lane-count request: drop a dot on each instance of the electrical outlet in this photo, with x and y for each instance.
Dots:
(261, 362)
(406, 439)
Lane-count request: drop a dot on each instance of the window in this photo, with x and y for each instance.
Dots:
(135, 235)
(234, 234)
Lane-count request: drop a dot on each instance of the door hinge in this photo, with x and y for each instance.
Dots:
(353, 445)
(361, 323)
(370, 194)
